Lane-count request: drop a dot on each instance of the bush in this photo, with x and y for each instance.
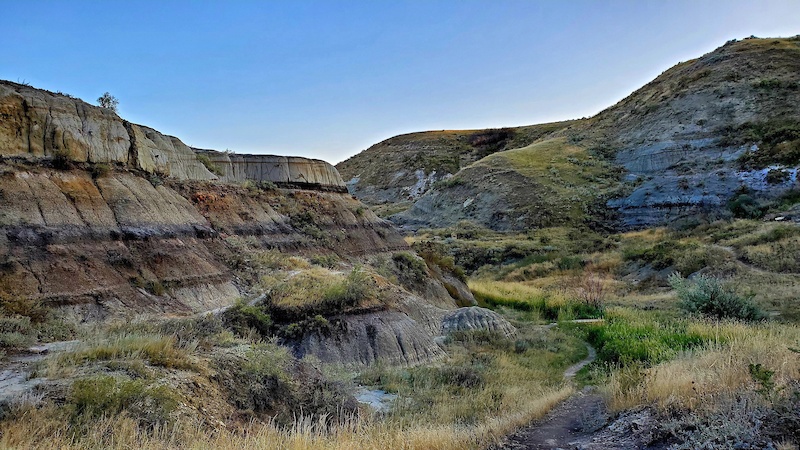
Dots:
(213, 168)
(100, 170)
(242, 317)
(708, 296)
(777, 176)
(105, 396)
(358, 286)
(329, 260)
(266, 381)
(412, 270)
(62, 159)
(743, 206)
(435, 255)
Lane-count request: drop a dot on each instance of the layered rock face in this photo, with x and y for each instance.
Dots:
(282, 170)
(103, 218)
(39, 124)
(682, 136)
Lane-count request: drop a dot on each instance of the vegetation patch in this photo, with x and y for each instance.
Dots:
(710, 297)
(546, 306)
(630, 338)
(102, 396)
(778, 142)
(157, 350)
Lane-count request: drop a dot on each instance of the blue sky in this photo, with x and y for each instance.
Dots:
(328, 79)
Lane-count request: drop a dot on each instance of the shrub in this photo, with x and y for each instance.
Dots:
(27, 307)
(242, 317)
(266, 380)
(358, 286)
(744, 206)
(330, 260)
(708, 296)
(412, 270)
(105, 396)
(592, 291)
(213, 168)
(434, 255)
(62, 159)
(100, 170)
(777, 176)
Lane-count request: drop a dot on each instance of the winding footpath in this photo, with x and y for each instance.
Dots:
(575, 418)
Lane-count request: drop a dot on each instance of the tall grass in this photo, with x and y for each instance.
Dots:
(157, 350)
(720, 366)
(491, 386)
(45, 429)
(544, 305)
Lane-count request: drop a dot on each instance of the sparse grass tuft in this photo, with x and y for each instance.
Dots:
(156, 349)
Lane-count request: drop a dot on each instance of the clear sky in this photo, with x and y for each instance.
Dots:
(327, 79)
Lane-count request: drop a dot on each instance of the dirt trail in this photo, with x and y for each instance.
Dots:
(572, 421)
(583, 422)
(568, 424)
(573, 369)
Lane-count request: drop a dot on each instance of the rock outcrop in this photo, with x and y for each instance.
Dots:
(475, 318)
(282, 170)
(38, 124)
(103, 218)
(391, 337)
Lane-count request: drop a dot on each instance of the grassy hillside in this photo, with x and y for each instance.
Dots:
(387, 171)
(748, 81)
(547, 183)
(734, 112)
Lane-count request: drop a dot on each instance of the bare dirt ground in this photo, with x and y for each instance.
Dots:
(583, 422)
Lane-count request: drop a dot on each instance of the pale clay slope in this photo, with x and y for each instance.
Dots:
(37, 123)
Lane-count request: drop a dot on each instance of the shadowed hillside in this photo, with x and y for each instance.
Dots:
(685, 144)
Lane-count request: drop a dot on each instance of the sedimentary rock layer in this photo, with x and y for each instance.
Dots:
(39, 124)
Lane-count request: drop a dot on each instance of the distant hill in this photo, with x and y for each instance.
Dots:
(685, 144)
(397, 171)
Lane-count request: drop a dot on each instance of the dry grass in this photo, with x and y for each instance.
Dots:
(304, 288)
(46, 429)
(517, 386)
(157, 350)
(720, 367)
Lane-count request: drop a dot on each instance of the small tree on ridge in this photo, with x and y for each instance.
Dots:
(108, 101)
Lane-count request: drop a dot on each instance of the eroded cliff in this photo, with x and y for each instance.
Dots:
(104, 218)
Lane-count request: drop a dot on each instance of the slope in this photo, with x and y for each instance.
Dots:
(399, 170)
(695, 138)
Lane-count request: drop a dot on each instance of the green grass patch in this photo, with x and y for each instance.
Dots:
(638, 337)
(547, 306)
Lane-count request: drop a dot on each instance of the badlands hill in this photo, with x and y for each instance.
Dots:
(687, 143)
(102, 218)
